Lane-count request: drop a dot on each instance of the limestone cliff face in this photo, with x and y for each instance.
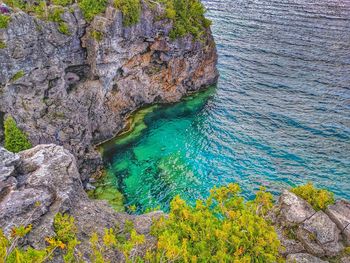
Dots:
(38, 183)
(76, 90)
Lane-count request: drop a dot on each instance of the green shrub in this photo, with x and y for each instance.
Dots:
(91, 8)
(18, 75)
(131, 10)
(55, 15)
(318, 198)
(65, 240)
(41, 10)
(2, 44)
(62, 2)
(187, 16)
(221, 229)
(20, 4)
(4, 21)
(63, 28)
(97, 35)
(15, 139)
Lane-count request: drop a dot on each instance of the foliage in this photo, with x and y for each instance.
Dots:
(4, 21)
(97, 35)
(187, 16)
(64, 240)
(222, 228)
(62, 2)
(2, 44)
(11, 253)
(318, 198)
(131, 10)
(15, 139)
(125, 241)
(18, 75)
(55, 15)
(91, 8)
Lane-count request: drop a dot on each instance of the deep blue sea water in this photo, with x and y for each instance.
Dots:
(279, 116)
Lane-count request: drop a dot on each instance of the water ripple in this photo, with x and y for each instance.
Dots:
(280, 115)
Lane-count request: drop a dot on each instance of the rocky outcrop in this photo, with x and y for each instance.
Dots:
(44, 181)
(77, 90)
(38, 183)
(340, 214)
(310, 236)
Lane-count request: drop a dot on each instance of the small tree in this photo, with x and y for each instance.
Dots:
(15, 139)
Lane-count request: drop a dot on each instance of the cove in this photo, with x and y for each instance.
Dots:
(279, 116)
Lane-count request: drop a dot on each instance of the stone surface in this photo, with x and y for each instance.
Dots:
(320, 235)
(303, 258)
(290, 245)
(346, 234)
(77, 91)
(8, 163)
(48, 182)
(292, 210)
(340, 214)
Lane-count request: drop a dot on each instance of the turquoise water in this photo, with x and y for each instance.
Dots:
(279, 116)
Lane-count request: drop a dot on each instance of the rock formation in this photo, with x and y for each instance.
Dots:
(38, 183)
(310, 236)
(76, 90)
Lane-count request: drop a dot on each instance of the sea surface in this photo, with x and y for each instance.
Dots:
(279, 116)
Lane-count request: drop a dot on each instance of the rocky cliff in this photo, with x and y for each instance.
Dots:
(76, 90)
(38, 183)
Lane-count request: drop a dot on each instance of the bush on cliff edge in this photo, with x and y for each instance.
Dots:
(15, 139)
(318, 198)
(223, 228)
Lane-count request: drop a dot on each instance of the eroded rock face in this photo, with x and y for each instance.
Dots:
(307, 235)
(47, 181)
(320, 235)
(76, 91)
(293, 210)
(340, 214)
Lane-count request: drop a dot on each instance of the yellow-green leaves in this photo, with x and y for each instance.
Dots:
(131, 10)
(4, 21)
(15, 139)
(222, 228)
(318, 198)
(91, 8)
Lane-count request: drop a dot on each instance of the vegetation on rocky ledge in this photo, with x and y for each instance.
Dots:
(187, 16)
(131, 10)
(318, 198)
(4, 20)
(15, 139)
(222, 228)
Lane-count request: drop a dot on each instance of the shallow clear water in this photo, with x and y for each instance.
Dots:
(279, 116)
